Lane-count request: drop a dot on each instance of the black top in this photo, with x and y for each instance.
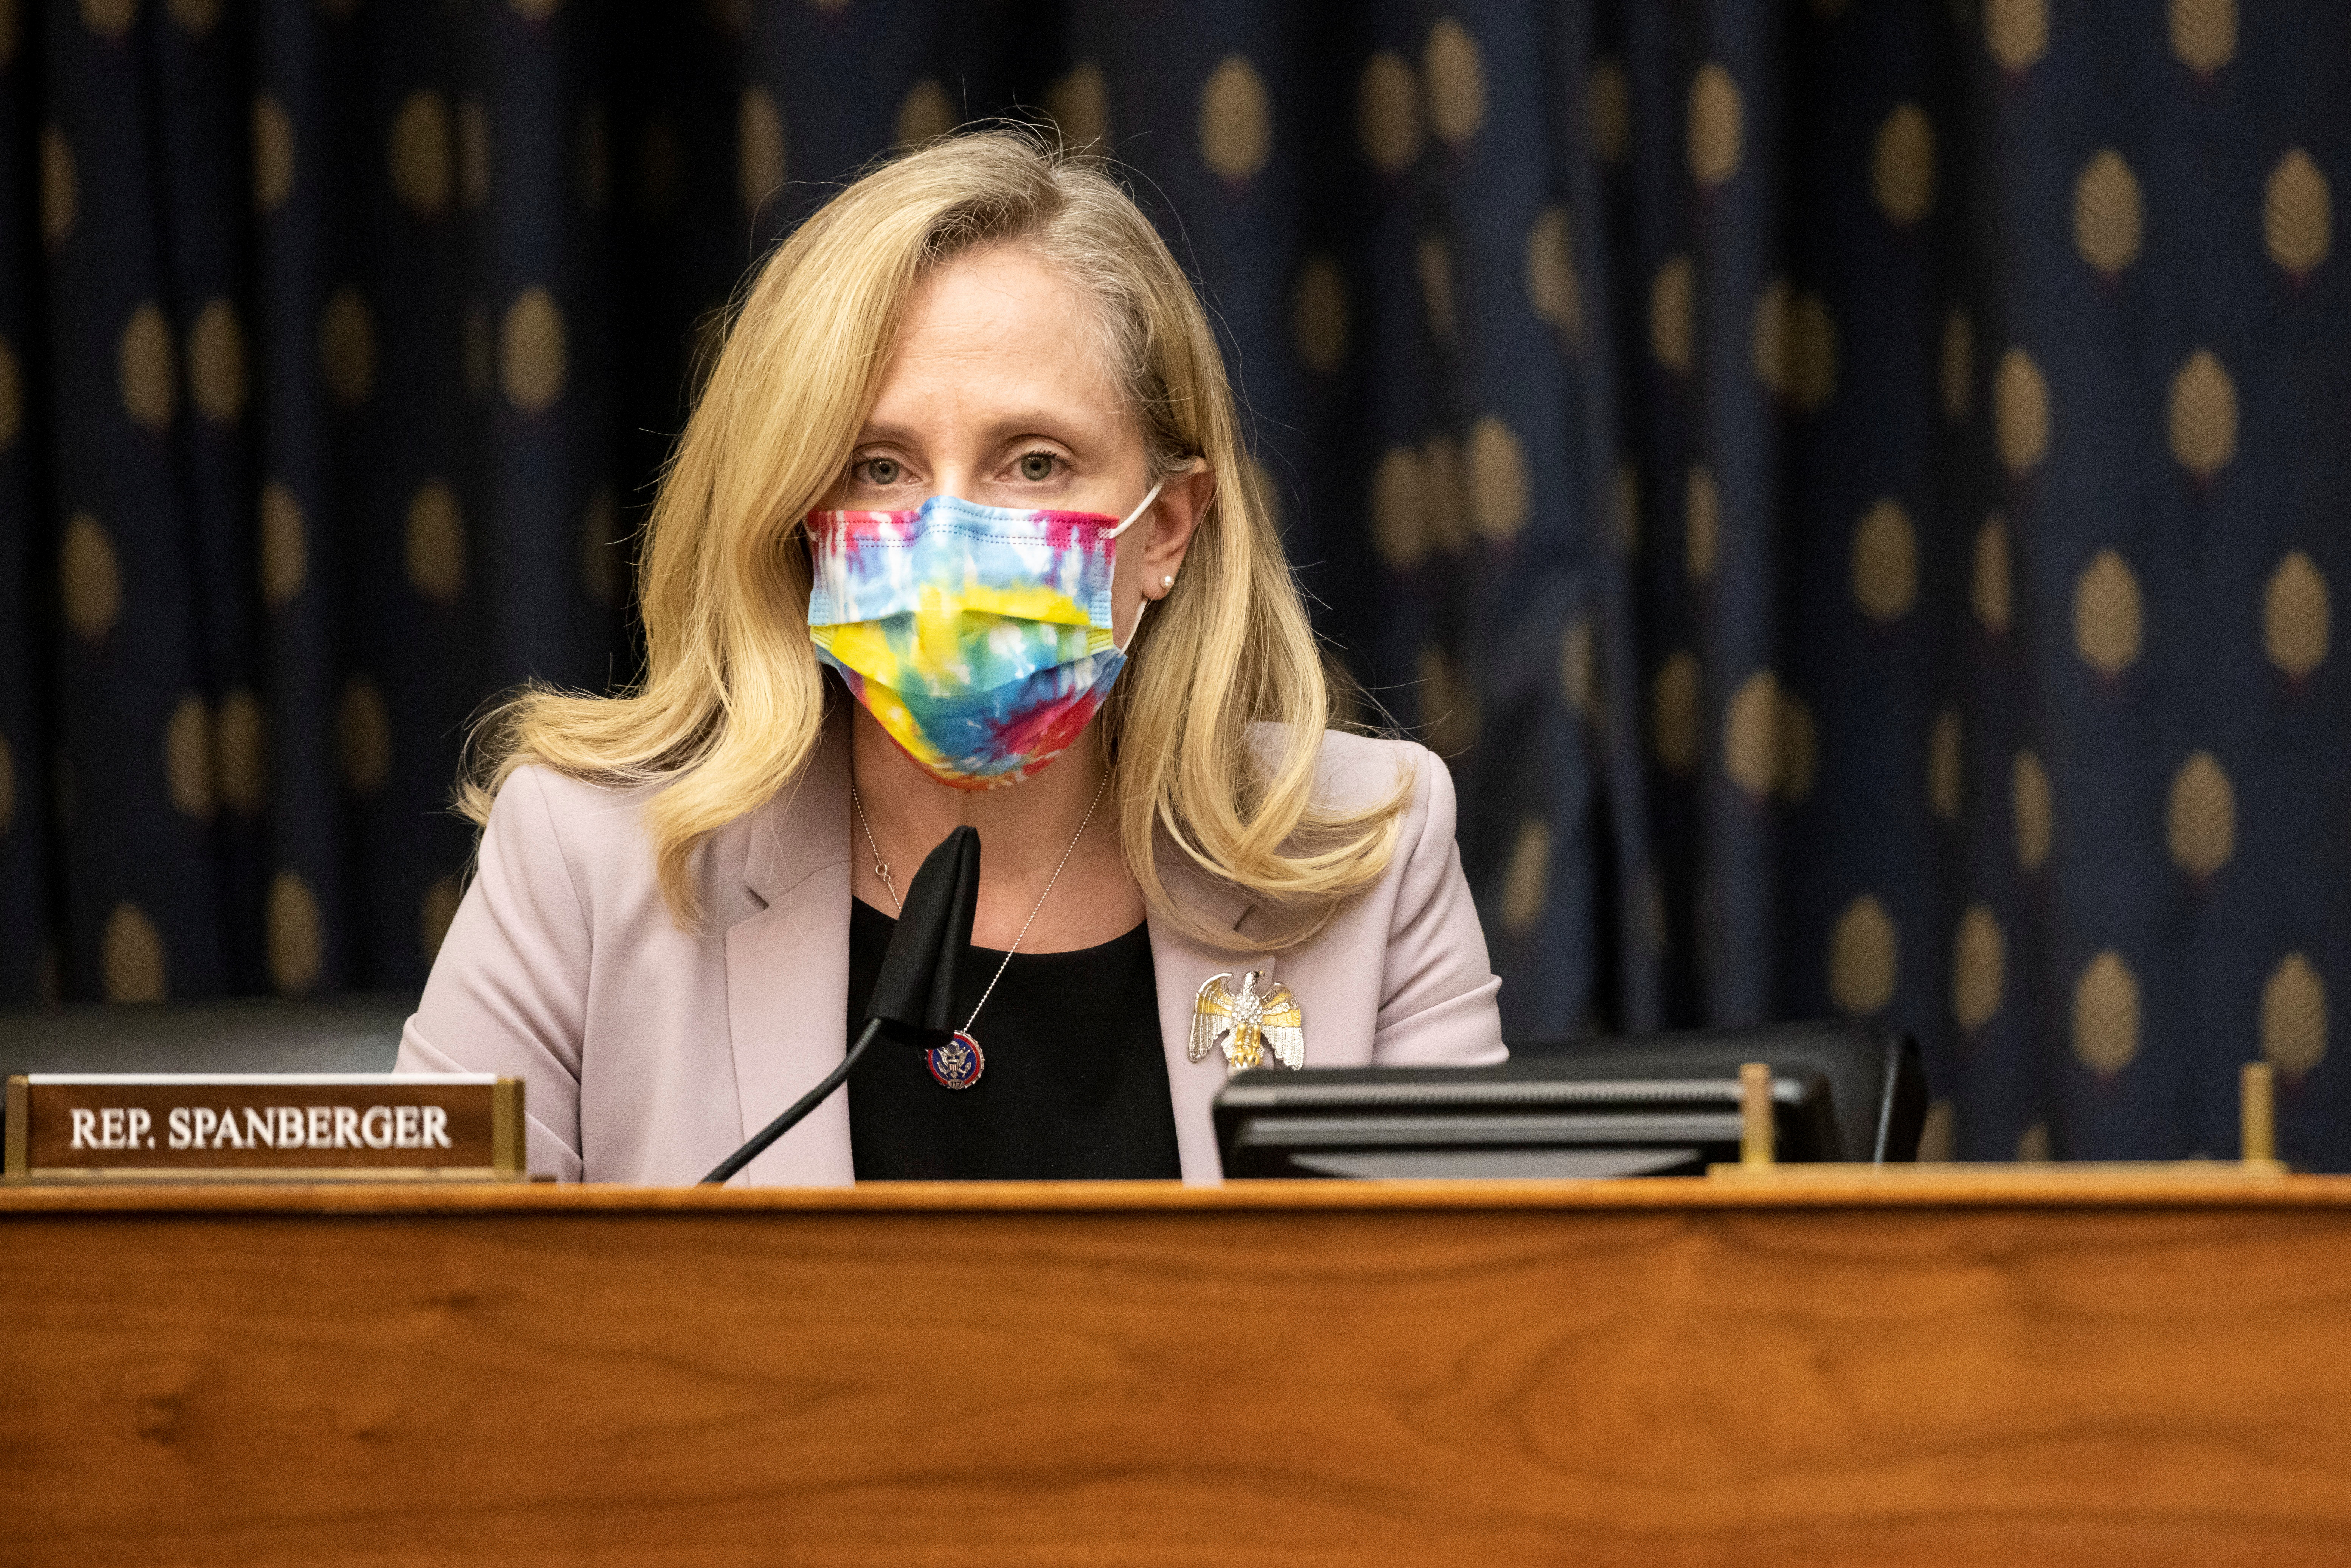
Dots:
(1076, 1085)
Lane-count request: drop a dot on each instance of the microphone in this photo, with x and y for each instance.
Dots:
(914, 996)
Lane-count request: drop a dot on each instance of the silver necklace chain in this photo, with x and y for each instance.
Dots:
(882, 870)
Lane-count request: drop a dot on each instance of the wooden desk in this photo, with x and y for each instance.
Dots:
(1948, 1371)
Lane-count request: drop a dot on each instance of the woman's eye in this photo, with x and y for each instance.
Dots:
(883, 471)
(1038, 466)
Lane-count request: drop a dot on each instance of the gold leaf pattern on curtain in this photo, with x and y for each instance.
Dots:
(2109, 218)
(2032, 811)
(534, 358)
(1387, 113)
(2105, 1015)
(217, 372)
(1608, 111)
(241, 753)
(1717, 125)
(1979, 968)
(436, 543)
(1498, 479)
(1990, 590)
(2203, 415)
(297, 942)
(1435, 265)
(148, 369)
(1442, 505)
(60, 188)
(1398, 534)
(759, 149)
(1902, 166)
(2204, 34)
(1448, 705)
(1769, 743)
(2294, 1017)
(1526, 881)
(420, 152)
(188, 757)
(1455, 69)
(2200, 816)
(1078, 104)
(1750, 735)
(1235, 120)
(436, 912)
(1672, 315)
(284, 548)
(131, 956)
(1579, 673)
(2017, 32)
(89, 573)
(2297, 214)
(1884, 567)
(1317, 315)
(2020, 398)
(1865, 957)
(2296, 618)
(362, 737)
(347, 347)
(2109, 619)
(1674, 713)
(925, 114)
(273, 155)
(1553, 290)
(1701, 524)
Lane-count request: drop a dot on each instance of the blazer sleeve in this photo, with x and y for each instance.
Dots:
(508, 992)
(1438, 1007)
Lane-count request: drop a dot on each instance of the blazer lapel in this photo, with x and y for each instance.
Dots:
(787, 971)
(1179, 964)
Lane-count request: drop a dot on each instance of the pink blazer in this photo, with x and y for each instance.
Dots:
(650, 1053)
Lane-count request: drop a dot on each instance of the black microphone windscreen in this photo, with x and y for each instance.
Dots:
(914, 996)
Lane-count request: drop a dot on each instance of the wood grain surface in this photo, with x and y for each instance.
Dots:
(1520, 1376)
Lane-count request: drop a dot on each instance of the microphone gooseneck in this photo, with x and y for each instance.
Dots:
(914, 996)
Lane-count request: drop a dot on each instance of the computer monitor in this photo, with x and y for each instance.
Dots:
(1666, 1105)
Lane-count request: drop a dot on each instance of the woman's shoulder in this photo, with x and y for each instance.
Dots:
(594, 828)
(1355, 771)
(594, 833)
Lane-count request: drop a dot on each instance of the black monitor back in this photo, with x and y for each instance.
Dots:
(1876, 1084)
(1665, 1104)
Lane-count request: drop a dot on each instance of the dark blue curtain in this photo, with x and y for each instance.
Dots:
(1855, 488)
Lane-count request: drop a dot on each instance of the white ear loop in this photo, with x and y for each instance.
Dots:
(1141, 507)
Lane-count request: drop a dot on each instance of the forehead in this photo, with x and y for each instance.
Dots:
(1000, 325)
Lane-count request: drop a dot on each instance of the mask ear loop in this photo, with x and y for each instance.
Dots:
(1142, 507)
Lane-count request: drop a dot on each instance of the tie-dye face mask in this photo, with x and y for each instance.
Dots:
(979, 637)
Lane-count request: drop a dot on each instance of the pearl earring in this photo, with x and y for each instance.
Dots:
(1166, 584)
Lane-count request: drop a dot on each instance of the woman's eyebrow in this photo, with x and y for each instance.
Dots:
(1060, 424)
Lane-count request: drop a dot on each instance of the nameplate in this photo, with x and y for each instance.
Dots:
(325, 1126)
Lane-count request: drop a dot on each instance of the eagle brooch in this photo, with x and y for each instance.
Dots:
(1248, 1023)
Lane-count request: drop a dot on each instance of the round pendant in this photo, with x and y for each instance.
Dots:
(956, 1065)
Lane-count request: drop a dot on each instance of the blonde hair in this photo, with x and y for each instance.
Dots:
(733, 701)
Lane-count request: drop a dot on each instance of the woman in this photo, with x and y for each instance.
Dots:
(957, 533)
